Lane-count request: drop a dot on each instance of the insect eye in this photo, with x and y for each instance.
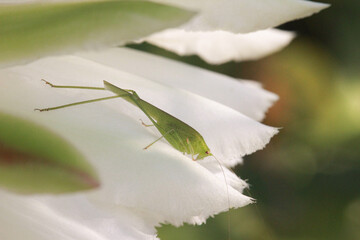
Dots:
(207, 152)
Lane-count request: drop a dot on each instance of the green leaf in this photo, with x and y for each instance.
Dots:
(30, 31)
(35, 160)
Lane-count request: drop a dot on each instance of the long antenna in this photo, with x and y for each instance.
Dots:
(228, 196)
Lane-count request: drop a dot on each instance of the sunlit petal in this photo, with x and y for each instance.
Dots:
(217, 47)
(249, 99)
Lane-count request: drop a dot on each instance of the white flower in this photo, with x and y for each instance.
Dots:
(141, 189)
(157, 185)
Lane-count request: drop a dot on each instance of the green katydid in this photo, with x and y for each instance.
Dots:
(180, 135)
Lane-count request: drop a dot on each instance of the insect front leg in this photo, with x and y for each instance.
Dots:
(146, 125)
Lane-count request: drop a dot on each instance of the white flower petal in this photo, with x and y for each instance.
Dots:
(232, 179)
(66, 217)
(235, 135)
(217, 47)
(160, 183)
(246, 98)
(242, 16)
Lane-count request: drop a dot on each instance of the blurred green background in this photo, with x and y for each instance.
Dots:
(307, 180)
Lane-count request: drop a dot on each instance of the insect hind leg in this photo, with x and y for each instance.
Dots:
(145, 148)
(66, 86)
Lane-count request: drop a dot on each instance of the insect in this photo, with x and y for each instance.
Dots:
(180, 135)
